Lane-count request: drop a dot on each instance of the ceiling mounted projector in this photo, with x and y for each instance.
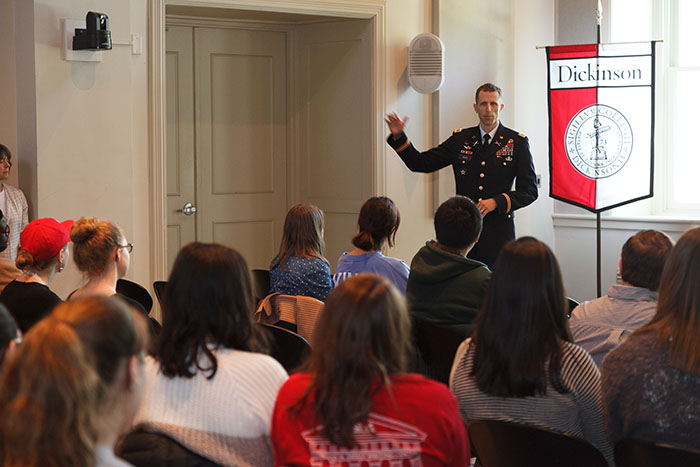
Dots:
(426, 63)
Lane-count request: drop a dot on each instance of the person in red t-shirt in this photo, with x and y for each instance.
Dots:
(356, 404)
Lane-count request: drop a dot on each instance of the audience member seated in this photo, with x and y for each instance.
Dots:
(520, 365)
(74, 386)
(102, 254)
(207, 388)
(13, 204)
(357, 401)
(10, 336)
(602, 324)
(651, 382)
(445, 288)
(300, 267)
(8, 270)
(378, 222)
(43, 252)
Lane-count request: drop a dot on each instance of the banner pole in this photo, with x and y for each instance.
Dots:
(599, 15)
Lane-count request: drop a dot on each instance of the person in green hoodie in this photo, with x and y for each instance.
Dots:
(445, 288)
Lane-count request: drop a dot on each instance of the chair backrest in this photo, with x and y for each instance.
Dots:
(296, 310)
(143, 448)
(261, 283)
(629, 453)
(572, 304)
(159, 289)
(436, 348)
(288, 348)
(135, 292)
(503, 444)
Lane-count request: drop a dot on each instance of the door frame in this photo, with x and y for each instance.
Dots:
(367, 9)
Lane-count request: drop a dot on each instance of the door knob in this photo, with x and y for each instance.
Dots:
(188, 209)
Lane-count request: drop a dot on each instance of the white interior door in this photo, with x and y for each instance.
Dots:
(333, 100)
(180, 143)
(241, 126)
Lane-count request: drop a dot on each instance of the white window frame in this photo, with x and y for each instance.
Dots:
(664, 24)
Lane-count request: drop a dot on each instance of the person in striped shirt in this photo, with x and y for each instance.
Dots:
(520, 365)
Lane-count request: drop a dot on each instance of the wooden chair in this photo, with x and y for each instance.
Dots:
(135, 292)
(261, 284)
(635, 453)
(288, 348)
(159, 289)
(502, 444)
(436, 347)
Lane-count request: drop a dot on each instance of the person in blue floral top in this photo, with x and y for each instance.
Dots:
(300, 267)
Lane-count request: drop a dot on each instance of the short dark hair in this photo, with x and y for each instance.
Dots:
(457, 222)
(522, 323)
(208, 302)
(379, 220)
(643, 258)
(5, 152)
(487, 87)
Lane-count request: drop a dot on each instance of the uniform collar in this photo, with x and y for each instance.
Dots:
(492, 133)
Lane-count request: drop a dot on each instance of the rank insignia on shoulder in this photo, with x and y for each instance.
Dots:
(457, 130)
(522, 135)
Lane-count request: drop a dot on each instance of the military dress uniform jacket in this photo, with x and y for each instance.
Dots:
(482, 172)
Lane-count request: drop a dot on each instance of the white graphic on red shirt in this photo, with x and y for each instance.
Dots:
(381, 441)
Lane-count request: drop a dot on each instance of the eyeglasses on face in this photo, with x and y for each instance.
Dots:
(129, 247)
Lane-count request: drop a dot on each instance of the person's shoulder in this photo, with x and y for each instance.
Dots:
(466, 132)
(511, 133)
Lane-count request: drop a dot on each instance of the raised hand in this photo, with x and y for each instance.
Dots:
(396, 125)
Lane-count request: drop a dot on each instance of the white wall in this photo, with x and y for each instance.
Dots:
(91, 141)
(91, 136)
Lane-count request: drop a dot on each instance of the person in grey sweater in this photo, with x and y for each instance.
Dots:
(651, 382)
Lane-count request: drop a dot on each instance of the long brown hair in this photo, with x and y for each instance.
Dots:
(302, 235)
(53, 387)
(363, 337)
(522, 323)
(677, 318)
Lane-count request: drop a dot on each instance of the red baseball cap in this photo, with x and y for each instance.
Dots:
(44, 238)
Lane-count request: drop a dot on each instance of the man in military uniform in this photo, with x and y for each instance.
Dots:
(486, 159)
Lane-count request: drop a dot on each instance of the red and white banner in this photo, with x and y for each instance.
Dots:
(601, 124)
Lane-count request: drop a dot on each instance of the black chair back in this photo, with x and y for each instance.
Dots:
(143, 448)
(135, 292)
(572, 304)
(261, 284)
(288, 348)
(502, 444)
(634, 453)
(159, 289)
(436, 347)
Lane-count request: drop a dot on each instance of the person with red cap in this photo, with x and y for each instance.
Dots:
(43, 251)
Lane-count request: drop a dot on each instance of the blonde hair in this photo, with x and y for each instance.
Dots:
(94, 241)
(302, 235)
